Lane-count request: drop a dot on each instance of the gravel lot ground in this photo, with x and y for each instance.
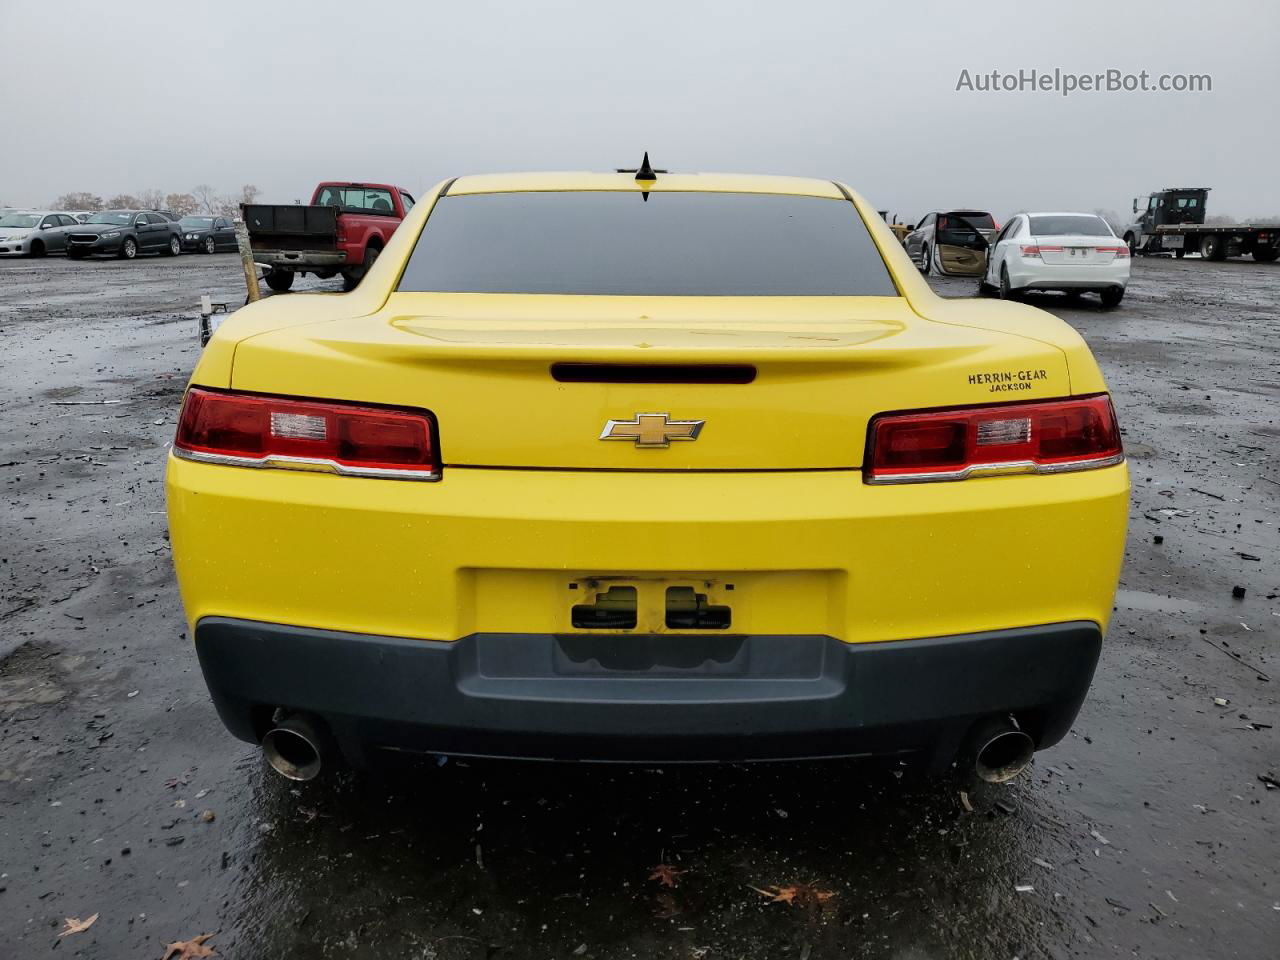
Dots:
(1148, 832)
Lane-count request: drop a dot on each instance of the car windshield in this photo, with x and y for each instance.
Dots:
(615, 243)
(115, 217)
(1060, 225)
(196, 223)
(20, 220)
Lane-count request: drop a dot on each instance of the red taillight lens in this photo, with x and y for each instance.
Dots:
(1031, 250)
(248, 429)
(1040, 437)
(1120, 251)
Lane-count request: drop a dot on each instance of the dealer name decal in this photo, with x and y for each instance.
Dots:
(1007, 381)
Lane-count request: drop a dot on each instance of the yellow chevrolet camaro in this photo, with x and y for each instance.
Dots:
(651, 467)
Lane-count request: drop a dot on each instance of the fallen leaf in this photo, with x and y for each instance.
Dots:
(666, 875)
(76, 925)
(192, 949)
(796, 894)
(964, 801)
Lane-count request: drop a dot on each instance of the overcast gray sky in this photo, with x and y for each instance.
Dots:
(127, 96)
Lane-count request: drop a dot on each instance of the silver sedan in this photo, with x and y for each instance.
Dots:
(33, 233)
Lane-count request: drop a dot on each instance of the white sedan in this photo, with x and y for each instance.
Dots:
(1072, 252)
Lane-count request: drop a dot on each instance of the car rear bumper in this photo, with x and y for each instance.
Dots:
(647, 698)
(513, 551)
(300, 259)
(1067, 276)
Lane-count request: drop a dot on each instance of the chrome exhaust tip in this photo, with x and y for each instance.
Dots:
(1002, 751)
(292, 747)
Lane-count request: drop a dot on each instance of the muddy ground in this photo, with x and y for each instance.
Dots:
(1148, 832)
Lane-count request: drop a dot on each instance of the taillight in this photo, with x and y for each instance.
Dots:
(1031, 250)
(1120, 251)
(253, 430)
(1053, 436)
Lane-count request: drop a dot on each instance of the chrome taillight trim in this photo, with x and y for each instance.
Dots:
(305, 464)
(997, 470)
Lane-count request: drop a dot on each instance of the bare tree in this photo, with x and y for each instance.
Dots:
(151, 199)
(181, 204)
(123, 201)
(81, 200)
(249, 193)
(207, 197)
(1114, 220)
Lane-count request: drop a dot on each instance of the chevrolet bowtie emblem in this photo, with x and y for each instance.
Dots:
(653, 430)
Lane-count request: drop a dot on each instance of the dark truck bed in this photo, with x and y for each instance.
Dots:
(294, 236)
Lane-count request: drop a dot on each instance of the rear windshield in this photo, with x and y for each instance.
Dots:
(1061, 226)
(358, 199)
(966, 219)
(673, 244)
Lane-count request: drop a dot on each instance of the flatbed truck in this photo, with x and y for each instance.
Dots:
(1172, 221)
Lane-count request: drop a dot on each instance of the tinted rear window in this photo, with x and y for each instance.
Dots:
(960, 219)
(675, 244)
(1062, 226)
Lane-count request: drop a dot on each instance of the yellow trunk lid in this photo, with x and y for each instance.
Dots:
(483, 363)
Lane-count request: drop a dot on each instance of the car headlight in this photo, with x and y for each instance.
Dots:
(17, 237)
(110, 234)
(190, 236)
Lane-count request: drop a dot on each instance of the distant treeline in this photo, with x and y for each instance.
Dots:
(201, 198)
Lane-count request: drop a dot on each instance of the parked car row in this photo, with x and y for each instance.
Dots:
(1072, 253)
(119, 233)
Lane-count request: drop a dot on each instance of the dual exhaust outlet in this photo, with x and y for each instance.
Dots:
(295, 748)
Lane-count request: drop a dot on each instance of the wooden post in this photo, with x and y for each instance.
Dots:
(246, 261)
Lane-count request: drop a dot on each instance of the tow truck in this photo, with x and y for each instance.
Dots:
(1172, 221)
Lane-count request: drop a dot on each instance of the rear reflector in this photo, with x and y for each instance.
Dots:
(253, 430)
(1054, 436)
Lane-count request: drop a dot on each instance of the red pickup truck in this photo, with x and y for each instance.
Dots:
(341, 232)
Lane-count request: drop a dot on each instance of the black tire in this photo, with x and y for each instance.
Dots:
(279, 280)
(128, 249)
(351, 278)
(1131, 242)
(1212, 247)
(1266, 254)
(1006, 288)
(209, 245)
(174, 248)
(37, 248)
(1111, 297)
(926, 261)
